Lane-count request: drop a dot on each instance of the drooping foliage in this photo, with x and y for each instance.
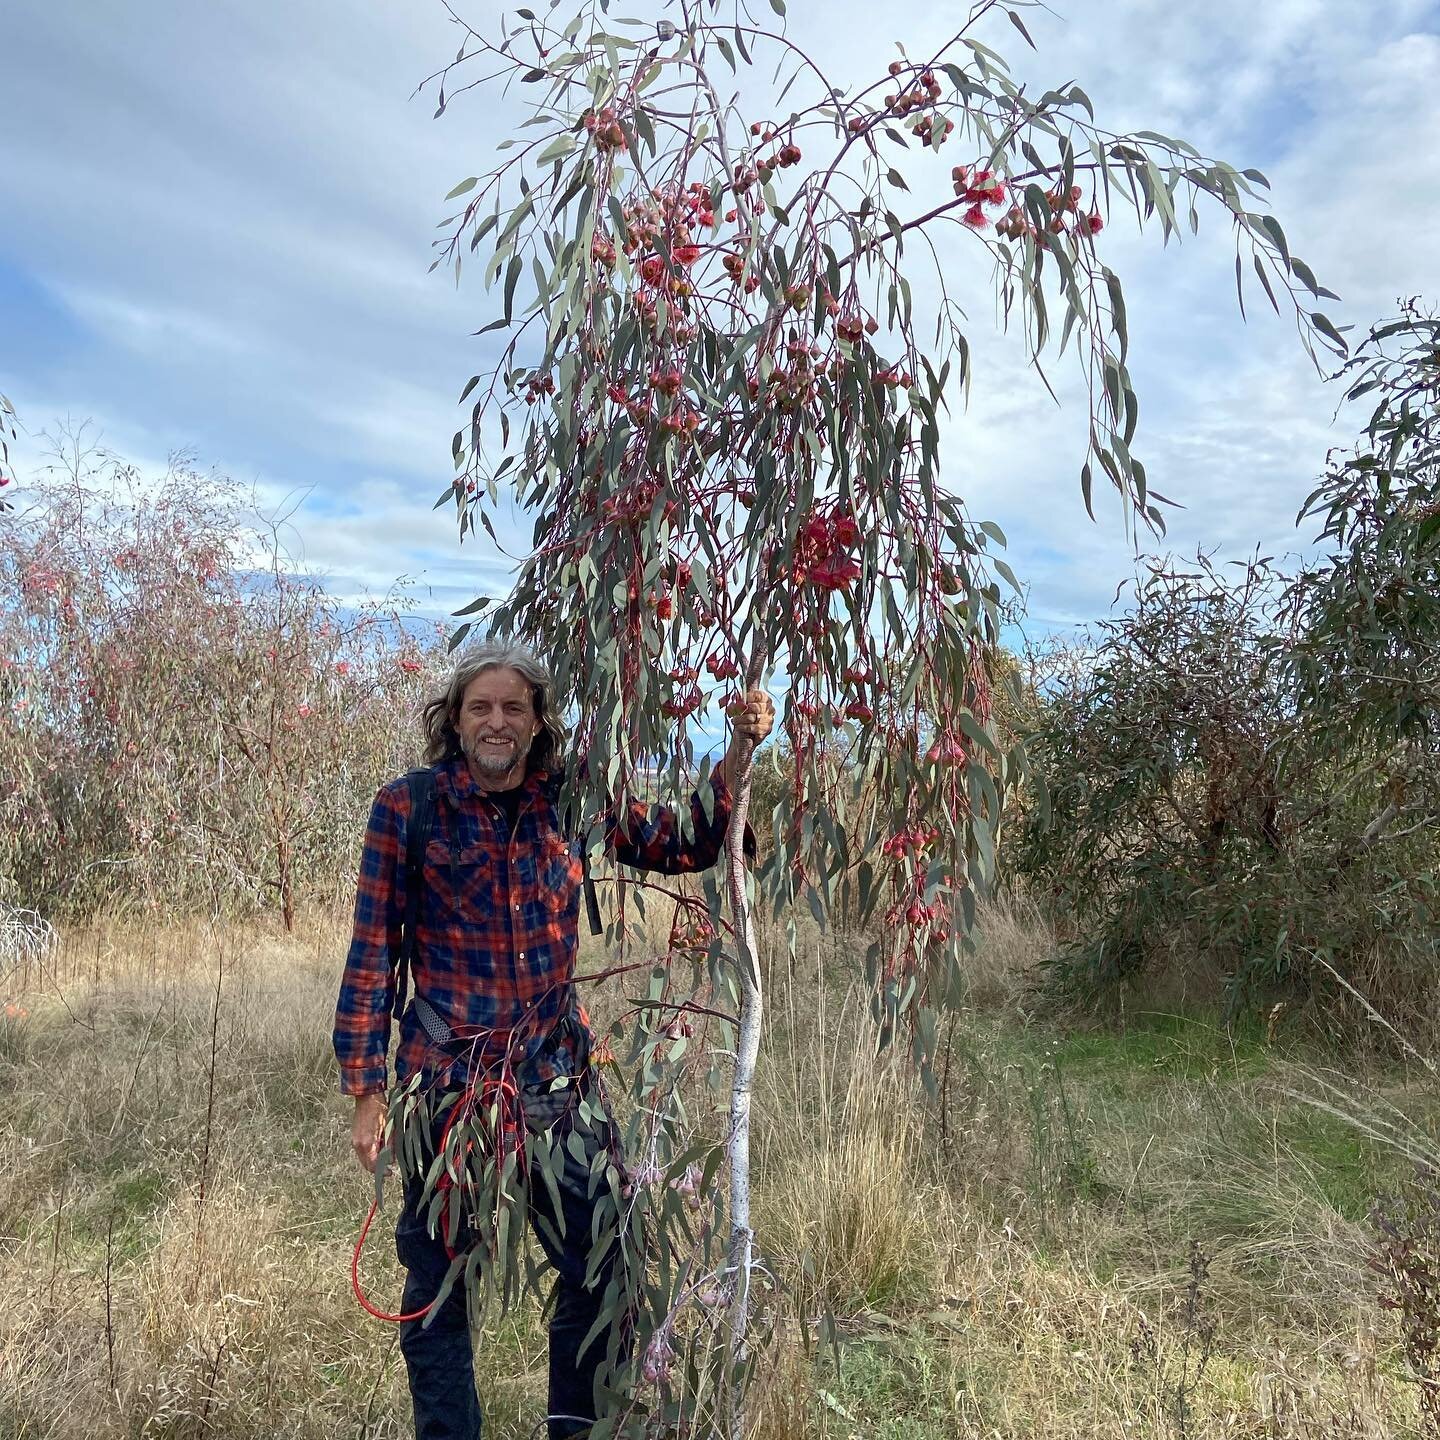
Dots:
(722, 405)
(1244, 768)
(1367, 664)
(733, 353)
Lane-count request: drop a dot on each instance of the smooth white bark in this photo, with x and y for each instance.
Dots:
(747, 1049)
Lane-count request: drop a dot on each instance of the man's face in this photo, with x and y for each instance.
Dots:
(497, 724)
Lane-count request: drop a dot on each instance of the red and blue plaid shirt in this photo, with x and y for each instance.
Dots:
(499, 924)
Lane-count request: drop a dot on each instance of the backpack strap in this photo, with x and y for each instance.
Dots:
(421, 784)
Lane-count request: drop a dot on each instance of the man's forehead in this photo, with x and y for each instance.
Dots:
(500, 682)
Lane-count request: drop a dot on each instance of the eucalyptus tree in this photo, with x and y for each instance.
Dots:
(731, 346)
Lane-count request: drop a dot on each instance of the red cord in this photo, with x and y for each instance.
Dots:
(355, 1276)
(509, 1123)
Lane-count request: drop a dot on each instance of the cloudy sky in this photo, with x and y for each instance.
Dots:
(215, 223)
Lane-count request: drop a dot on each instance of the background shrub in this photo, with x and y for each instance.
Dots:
(190, 722)
(1244, 769)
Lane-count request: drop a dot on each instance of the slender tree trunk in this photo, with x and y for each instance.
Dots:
(285, 861)
(747, 1049)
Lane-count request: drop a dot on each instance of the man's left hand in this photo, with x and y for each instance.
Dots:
(756, 720)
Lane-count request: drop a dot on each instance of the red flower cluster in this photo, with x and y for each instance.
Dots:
(682, 421)
(925, 92)
(917, 913)
(851, 327)
(691, 931)
(979, 188)
(537, 385)
(820, 551)
(895, 378)
(37, 580)
(1065, 215)
(911, 841)
(948, 749)
(686, 702)
(633, 504)
(787, 388)
(764, 166)
(667, 214)
(734, 264)
(605, 128)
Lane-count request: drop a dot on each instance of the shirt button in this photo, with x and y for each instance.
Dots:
(522, 954)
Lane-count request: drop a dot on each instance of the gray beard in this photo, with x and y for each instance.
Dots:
(492, 765)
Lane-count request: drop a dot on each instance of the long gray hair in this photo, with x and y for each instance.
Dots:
(442, 739)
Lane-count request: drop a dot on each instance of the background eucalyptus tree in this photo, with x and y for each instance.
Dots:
(721, 402)
(1246, 770)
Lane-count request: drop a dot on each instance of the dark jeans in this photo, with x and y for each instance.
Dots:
(438, 1356)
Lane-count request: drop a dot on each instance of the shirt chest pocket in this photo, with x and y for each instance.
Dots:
(560, 875)
(460, 882)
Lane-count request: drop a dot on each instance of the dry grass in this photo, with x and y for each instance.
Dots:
(843, 1191)
(1007, 1260)
(1014, 937)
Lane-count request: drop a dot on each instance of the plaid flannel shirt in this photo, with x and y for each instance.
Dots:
(499, 924)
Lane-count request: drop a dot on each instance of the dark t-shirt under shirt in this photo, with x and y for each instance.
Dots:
(508, 803)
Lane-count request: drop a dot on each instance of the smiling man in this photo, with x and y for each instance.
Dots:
(493, 954)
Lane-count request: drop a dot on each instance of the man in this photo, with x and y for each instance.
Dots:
(497, 938)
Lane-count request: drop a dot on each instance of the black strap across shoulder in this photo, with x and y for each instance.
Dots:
(421, 784)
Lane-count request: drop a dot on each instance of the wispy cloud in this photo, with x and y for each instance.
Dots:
(234, 217)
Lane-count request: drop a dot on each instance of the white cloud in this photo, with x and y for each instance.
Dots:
(154, 331)
(239, 211)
